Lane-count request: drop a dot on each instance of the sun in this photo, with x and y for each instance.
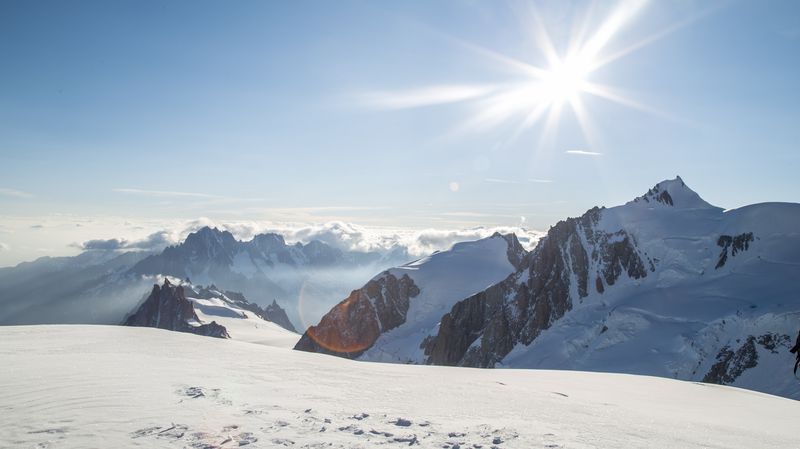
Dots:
(538, 93)
(566, 79)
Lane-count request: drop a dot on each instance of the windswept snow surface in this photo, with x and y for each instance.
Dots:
(101, 386)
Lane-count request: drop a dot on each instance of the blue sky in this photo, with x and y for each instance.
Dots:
(133, 115)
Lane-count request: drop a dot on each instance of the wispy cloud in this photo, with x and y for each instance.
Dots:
(184, 195)
(14, 193)
(466, 214)
(584, 153)
(3, 247)
(512, 181)
(500, 181)
(155, 241)
(165, 193)
(427, 96)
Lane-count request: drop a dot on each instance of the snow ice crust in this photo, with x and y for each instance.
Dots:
(102, 386)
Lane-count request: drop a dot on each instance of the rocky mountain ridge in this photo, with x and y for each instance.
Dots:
(167, 308)
(411, 295)
(666, 284)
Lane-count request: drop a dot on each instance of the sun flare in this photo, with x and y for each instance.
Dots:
(547, 91)
(566, 79)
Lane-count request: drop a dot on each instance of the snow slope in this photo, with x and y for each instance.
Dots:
(242, 325)
(443, 279)
(390, 317)
(100, 386)
(664, 285)
(678, 321)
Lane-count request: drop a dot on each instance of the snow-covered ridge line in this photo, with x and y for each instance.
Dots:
(666, 285)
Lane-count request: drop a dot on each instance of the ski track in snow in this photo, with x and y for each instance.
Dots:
(105, 386)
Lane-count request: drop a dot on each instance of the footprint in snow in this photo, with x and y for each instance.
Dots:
(410, 439)
(51, 431)
(172, 432)
(195, 392)
(377, 432)
(401, 422)
(351, 429)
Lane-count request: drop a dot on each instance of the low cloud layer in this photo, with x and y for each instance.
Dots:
(154, 242)
(352, 237)
(342, 235)
(14, 193)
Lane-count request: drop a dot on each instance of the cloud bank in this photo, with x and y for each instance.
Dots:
(338, 234)
(154, 242)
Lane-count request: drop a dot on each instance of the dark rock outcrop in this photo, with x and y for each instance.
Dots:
(731, 364)
(354, 324)
(516, 253)
(167, 308)
(736, 244)
(657, 195)
(480, 315)
(277, 315)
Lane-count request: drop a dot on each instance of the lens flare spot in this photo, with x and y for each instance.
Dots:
(341, 332)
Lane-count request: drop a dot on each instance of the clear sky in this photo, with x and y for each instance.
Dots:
(118, 118)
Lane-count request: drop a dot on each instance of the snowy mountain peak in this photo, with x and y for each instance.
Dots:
(390, 317)
(269, 242)
(212, 240)
(168, 308)
(673, 193)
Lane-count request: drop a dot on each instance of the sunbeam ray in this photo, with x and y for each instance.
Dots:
(544, 93)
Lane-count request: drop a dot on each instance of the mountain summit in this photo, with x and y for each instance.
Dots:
(664, 285)
(167, 308)
(673, 193)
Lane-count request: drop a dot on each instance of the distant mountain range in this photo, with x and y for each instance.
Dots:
(103, 286)
(665, 285)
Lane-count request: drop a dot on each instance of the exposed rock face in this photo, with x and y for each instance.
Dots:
(483, 314)
(167, 308)
(277, 315)
(516, 253)
(736, 244)
(354, 325)
(480, 330)
(657, 195)
(731, 364)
